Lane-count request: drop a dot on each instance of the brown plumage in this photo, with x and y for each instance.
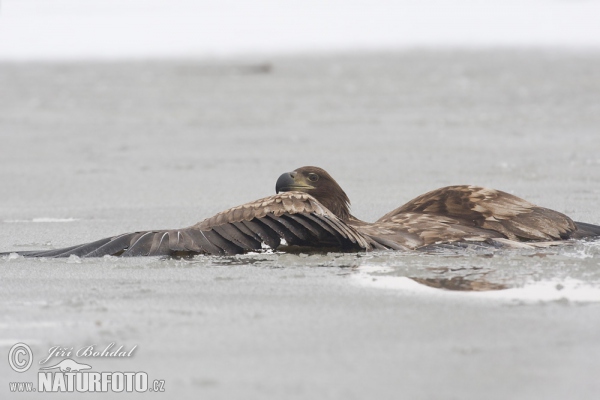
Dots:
(311, 210)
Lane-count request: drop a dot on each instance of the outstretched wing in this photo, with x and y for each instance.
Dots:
(295, 217)
(473, 213)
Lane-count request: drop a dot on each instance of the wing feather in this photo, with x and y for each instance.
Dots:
(267, 235)
(334, 237)
(84, 249)
(219, 241)
(114, 247)
(48, 253)
(204, 242)
(300, 234)
(315, 230)
(246, 231)
(477, 206)
(234, 235)
(160, 244)
(296, 217)
(470, 213)
(141, 246)
(279, 228)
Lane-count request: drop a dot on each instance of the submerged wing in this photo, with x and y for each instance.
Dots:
(457, 213)
(295, 217)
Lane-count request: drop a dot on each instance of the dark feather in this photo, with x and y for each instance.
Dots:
(115, 246)
(234, 235)
(299, 235)
(141, 246)
(334, 237)
(160, 244)
(278, 228)
(316, 230)
(203, 240)
(47, 253)
(266, 234)
(226, 246)
(585, 230)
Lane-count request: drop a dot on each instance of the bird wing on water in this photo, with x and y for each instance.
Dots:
(295, 217)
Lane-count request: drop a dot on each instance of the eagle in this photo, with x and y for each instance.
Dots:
(310, 210)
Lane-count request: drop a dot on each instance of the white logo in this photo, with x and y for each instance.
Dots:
(73, 381)
(20, 357)
(72, 376)
(68, 365)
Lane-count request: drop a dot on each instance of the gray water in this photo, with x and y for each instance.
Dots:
(91, 150)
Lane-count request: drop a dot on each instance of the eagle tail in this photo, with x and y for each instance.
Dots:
(585, 230)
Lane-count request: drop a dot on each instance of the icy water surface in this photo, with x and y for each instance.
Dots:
(568, 273)
(570, 270)
(90, 150)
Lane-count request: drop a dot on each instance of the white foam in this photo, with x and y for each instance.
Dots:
(41, 219)
(31, 325)
(11, 342)
(45, 219)
(569, 289)
(73, 259)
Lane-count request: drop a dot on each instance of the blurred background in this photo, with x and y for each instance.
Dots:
(494, 93)
(72, 29)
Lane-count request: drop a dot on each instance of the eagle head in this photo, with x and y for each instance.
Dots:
(319, 184)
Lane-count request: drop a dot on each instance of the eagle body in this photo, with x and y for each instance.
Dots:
(311, 210)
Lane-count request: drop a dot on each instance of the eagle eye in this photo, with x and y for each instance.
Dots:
(313, 177)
